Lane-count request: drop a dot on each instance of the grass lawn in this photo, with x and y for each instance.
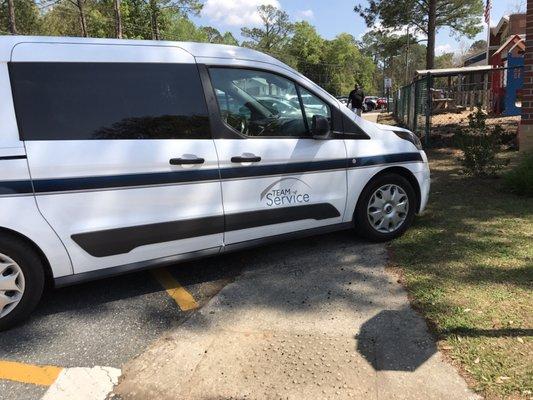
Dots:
(467, 264)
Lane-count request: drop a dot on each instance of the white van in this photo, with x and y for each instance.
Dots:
(119, 155)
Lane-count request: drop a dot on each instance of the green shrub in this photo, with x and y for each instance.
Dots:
(520, 179)
(480, 146)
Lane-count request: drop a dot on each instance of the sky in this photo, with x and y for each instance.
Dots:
(330, 17)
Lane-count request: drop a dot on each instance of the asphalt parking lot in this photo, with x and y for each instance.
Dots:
(317, 318)
(108, 322)
(332, 292)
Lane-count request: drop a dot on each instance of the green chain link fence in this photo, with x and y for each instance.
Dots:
(494, 90)
(411, 107)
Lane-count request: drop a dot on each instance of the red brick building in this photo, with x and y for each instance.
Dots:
(526, 125)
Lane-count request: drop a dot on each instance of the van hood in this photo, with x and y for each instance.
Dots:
(377, 130)
(390, 127)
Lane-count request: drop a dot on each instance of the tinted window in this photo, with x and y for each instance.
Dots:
(77, 101)
(313, 105)
(257, 103)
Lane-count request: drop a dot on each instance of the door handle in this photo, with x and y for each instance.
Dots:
(186, 161)
(241, 159)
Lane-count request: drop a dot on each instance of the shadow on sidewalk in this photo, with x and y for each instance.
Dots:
(395, 340)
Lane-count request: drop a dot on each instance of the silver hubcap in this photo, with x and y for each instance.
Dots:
(388, 208)
(11, 285)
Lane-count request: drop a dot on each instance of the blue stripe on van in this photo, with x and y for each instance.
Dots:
(388, 159)
(282, 169)
(19, 157)
(163, 178)
(117, 181)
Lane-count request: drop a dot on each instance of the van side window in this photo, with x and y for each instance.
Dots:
(257, 103)
(314, 106)
(82, 101)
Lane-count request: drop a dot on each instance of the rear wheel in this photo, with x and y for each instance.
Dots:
(21, 281)
(386, 208)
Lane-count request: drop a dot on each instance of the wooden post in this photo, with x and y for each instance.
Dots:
(428, 110)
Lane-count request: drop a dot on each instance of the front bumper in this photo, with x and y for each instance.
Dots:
(424, 180)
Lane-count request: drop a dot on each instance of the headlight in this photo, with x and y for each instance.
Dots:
(411, 137)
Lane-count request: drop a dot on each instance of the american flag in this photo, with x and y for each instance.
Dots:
(488, 7)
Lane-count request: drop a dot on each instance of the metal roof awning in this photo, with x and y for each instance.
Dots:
(454, 71)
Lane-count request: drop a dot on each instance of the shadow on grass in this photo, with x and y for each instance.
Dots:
(473, 225)
(494, 333)
(458, 228)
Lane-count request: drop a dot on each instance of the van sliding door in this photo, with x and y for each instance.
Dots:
(119, 149)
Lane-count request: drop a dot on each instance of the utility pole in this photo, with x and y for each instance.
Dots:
(11, 17)
(407, 58)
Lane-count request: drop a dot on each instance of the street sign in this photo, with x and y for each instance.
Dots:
(388, 83)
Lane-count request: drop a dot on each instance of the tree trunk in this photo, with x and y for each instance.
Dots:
(118, 20)
(83, 20)
(432, 25)
(154, 11)
(11, 16)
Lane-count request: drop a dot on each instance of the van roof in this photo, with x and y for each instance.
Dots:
(7, 42)
(197, 50)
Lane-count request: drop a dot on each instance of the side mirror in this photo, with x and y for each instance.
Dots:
(320, 128)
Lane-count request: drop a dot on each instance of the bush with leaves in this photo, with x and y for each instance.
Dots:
(480, 145)
(520, 179)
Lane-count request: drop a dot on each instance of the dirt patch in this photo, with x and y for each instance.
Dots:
(444, 127)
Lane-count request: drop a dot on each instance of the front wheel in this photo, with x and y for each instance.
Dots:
(386, 208)
(21, 281)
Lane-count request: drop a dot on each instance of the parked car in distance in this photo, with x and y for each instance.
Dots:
(381, 103)
(280, 106)
(343, 100)
(121, 155)
(370, 103)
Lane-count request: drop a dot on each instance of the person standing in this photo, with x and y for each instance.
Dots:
(355, 100)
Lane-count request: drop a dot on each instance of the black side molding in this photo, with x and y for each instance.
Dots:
(112, 242)
(159, 262)
(254, 219)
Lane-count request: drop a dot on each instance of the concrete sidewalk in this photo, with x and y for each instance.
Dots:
(371, 116)
(312, 319)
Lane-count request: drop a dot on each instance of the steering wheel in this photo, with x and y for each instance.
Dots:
(238, 122)
(268, 125)
(244, 126)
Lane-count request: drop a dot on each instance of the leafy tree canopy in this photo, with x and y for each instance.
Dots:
(26, 15)
(427, 16)
(274, 32)
(462, 16)
(477, 46)
(213, 35)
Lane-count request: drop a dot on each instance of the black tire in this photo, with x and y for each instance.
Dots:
(363, 226)
(32, 268)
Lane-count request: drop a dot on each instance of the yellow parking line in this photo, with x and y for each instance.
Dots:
(44, 375)
(180, 295)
